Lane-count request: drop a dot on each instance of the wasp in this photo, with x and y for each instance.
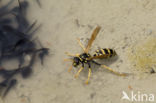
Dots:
(87, 58)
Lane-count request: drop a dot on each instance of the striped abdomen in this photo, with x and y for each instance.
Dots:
(104, 53)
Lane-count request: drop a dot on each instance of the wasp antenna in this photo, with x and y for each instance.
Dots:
(69, 54)
(81, 45)
(66, 60)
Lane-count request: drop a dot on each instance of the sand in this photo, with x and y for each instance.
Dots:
(124, 24)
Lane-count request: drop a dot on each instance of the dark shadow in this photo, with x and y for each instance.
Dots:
(16, 41)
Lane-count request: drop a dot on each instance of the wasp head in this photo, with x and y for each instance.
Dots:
(76, 61)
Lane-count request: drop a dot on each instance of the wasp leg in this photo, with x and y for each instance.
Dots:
(77, 74)
(70, 68)
(81, 45)
(96, 62)
(73, 55)
(89, 74)
(117, 73)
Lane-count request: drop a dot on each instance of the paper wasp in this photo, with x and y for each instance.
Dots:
(86, 58)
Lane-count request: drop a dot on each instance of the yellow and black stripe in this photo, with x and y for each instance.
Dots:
(105, 53)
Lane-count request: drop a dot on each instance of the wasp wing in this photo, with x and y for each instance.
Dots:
(94, 34)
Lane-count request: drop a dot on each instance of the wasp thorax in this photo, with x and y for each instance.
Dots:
(84, 55)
